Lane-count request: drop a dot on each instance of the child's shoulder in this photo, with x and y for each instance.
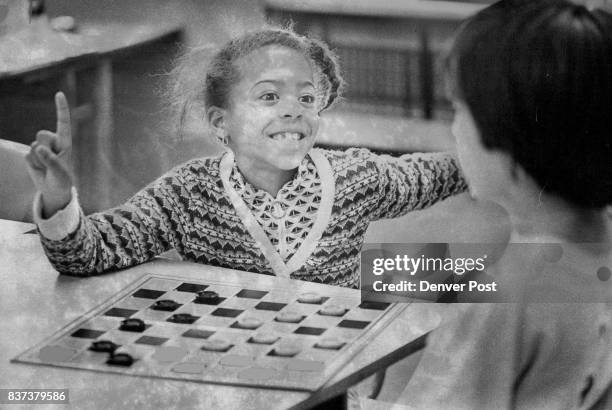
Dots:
(342, 158)
(197, 167)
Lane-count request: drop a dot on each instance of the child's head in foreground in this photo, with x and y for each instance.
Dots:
(263, 94)
(532, 86)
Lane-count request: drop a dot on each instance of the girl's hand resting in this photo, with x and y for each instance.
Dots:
(48, 161)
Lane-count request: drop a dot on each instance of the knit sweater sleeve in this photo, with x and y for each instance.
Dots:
(415, 181)
(135, 232)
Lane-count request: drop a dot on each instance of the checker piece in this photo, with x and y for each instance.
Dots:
(333, 310)
(185, 318)
(120, 359)
(264, 338)
(133, 325)
(310, 297)
(287, 350)
(166, 305)
(208, 297)
(216, 345)
(332, 343)
(104, 346)
(249, 322)
(289, 317)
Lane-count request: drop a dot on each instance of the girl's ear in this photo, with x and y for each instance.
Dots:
(216, 118)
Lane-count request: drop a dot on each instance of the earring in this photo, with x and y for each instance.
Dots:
(223, 139)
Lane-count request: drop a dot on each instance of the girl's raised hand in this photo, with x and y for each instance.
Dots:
(48, 161)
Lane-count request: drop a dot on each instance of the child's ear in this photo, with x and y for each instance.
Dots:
(216, 120)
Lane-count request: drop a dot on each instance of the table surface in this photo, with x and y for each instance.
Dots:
(417, 9)
(35, 301)
(38, 46)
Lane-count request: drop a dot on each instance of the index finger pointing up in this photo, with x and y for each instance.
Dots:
(63, 129)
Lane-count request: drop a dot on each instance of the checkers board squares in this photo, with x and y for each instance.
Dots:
(213, 345)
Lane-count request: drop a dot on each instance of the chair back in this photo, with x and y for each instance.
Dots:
(16, 188)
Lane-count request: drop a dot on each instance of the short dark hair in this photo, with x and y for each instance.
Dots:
(537, 78)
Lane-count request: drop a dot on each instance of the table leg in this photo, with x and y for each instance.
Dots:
(339, 402)
(103, 131)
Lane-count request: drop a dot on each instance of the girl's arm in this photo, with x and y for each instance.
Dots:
(130, 234)
(416, 181)
(124, 236)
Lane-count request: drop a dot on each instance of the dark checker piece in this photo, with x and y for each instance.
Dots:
(251, 294)
(148, 293)
(133, 325)
(151, 340)
(87, 333)
(226, 312)
(353, 324)
(120, 359)
(118, 312)
(208, 297)
(374, 305)
(166, 305)
(305, 330)
(191, 287)
(270, 306)
(105, 346)
(183, 318)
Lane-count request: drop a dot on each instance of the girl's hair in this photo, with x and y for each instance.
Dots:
(537, 78)
(191, 88)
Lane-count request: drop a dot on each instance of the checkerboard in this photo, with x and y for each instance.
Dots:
(239, 338)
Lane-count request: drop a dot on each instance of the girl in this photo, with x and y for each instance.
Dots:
(271, 203)
(543, 151)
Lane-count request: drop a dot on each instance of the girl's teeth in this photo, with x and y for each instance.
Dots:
(286, 135)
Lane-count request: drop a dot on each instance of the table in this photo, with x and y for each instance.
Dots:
(35, 301)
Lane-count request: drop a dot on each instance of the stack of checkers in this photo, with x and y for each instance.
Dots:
(217, 332)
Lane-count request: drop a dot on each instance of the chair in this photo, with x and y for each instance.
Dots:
(16, 188)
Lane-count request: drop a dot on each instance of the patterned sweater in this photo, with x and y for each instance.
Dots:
(207, 212)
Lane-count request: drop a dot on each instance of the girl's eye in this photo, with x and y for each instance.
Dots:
(307, 99)
(269, 97)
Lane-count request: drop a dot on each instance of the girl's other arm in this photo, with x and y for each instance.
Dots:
(416, 181)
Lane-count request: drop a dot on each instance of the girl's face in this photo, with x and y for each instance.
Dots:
(488, 172)
(272, 119)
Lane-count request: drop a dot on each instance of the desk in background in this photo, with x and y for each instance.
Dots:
(35, 302)
(391, 52)
(101, 69)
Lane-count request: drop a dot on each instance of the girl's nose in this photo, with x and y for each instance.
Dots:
(291, 109)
